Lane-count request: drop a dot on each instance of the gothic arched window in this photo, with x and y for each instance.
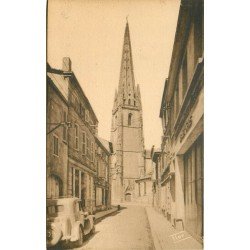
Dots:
(129, 119)
(128, 101)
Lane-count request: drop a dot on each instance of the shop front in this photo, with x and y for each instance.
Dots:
(193, 188)
(83, 187)
(102, 194)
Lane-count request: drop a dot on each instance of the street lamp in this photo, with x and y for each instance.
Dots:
(68, 124)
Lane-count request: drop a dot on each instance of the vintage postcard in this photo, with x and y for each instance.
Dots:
(125, 115)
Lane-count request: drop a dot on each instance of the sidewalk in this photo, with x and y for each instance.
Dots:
(102, 214)
(167, 237)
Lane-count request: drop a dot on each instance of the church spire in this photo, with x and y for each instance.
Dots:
(127, 129)
(127, 94)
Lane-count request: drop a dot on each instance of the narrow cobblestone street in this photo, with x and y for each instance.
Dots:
(126, 229)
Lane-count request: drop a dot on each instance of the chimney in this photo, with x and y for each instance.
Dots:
(66, 64)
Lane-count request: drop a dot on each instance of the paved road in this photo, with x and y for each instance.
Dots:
(127, 229)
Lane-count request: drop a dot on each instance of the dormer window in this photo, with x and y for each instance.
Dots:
(87, 116)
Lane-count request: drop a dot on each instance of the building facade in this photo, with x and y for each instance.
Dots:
(102, 180)
(144, 182)
(127, 130)
(71, 139)
(56, 129)
(81, 142)
(156, 182)
(182, 114)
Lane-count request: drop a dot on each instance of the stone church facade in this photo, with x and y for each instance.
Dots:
(127, 131)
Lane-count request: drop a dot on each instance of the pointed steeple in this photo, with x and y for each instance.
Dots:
(115, 99)
(127, 123)
(138, 92)
(126, 91)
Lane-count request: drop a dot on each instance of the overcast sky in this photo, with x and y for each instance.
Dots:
(91, 34)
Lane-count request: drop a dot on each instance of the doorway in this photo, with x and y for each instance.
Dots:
(128, 197)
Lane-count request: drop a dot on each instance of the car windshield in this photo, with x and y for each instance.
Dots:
(54, 209)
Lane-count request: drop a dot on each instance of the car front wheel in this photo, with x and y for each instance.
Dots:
(80, 240)
(54, 235)
(93, 230)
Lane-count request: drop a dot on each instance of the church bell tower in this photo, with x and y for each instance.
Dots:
(127, 130)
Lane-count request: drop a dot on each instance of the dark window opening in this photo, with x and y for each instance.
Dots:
(55, 146)
(129, 119)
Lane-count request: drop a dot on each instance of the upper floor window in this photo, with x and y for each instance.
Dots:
(198, 32)
(92, 151)
(172, 113)
(80, 108)
(84, 143)
(82, 111)
(55, 145)
(77, 104)
(176, 101)
(65, 126)
(129, 119)
(184, 75)
(128, 101)
(88, 147)
(106, 172)
(76, 136)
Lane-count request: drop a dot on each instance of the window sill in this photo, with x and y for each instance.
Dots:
(56, 155)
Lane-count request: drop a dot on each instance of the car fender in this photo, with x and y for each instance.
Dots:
(56, 233)
(75, 231)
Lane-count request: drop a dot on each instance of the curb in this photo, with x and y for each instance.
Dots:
(156, 241)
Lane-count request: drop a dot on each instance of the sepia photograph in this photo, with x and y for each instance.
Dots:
(125, 124)
(110, 138)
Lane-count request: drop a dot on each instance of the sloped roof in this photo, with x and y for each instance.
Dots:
(60, 83)
(57, 75)
(105, 143)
